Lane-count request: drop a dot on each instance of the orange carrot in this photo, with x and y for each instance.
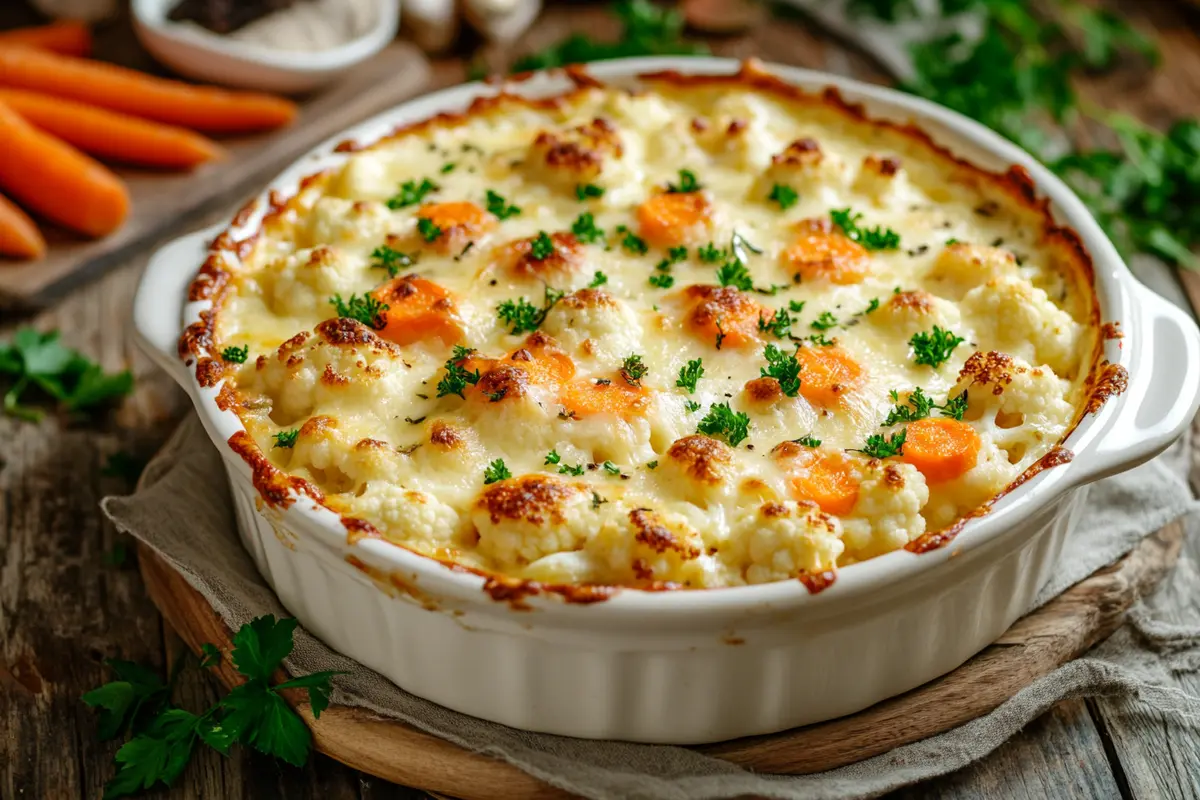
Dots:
(202, 108)
(55, 180)
(455, 225)
(723, 313)
(419, 310)
(941, 448)
(110, 135)
(828, 373)
(672, 219)
(827, 479)
(18, 235)
(821, 252)
(585, 398)
(67, 38)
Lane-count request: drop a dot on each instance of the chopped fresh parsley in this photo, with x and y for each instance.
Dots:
(634, 243)
(662, 280)
(934, 347)
(711, 254)
(598, 279)
(568, 469)
(722, 421)
(428, 229)
(880, 446)
(720, 334)
(496, 471)
(916, 406)
(795, 306)
(734, 273)
(542, 246)
(652, 464)
(366, 309)
(676, 254)
(523, 316)
(611, 468)
(951, 241)
(687, 183)
(287, 439)
(691, 405)
(780, 325)
(784, 368)
(689, 374)
(585, 229)
(820, 340)
(871, 306)
(824, 322)
(584, 191)
(500, 208)
(955, 406)
(385, 257)
(411, 193)
(633, 370)
(553, 457)
(38, 362)
(457, 378)
(448, 167)
(253, 714)
(808, 441)
(772, 290)
(236, 355)
(784, 195)
(877, 238)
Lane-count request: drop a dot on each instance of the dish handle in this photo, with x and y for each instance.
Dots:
(1162, 396)
(159, 303)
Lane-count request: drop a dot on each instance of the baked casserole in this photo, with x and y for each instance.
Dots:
(715, 332)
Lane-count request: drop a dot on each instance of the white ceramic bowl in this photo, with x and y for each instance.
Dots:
(699, 666)
(196, 53)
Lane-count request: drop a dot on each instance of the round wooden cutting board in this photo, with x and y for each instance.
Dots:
(1035, 645)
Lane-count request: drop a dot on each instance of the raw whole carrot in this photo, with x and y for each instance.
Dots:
(941, 448)
(112, 136)
(53, 179)
(202, 108)
(419, 310)
(828, 373)
(18, 235)
(67, 38)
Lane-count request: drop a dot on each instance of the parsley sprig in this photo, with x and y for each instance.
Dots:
(919, 405)
(784, 195)
(722, 421)
(236, 355)
(457, 377)
(880, 446)
(385, 257)
(690, 374)
(877, 238)
(585, 229)
(496, 471)
(35, 363)
(687, 183)
(253, 714)
(499, 207)
(411, 193)
(783, 367)
(523, 316)
(933, 347)
(366, 309)
(633, 370)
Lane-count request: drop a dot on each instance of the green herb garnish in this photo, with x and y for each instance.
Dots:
(411, 193)
(585, 229)
(38, 362)
(542, 246)
(523, 316)
(236, 355)
(808, 441)
(934, 347)
(598, 279)
(611, 468)
(687, 183)
(689, 374)
(880, 446)
(784, 195)
(457, 378)
(427, 229)
(287, 439)
(661, 280)
(496, 471)
(779, 326)
(734, 273)
(385, 257)
(722, 421)
(876, 238)
(366, 309)
(633, 370)
(584, 191)
(824, 322)
(500, 208)
(784, 368)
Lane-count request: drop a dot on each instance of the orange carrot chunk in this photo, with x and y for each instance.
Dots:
(418, 311)
(722, 313)
(68, 38)
(112, 136)
(820, 252)
(672, 219)
(452, 226)
(827, 479)
(941, 448)
(827, 373)
(18, 235)
(202, 108)
(587, 398)
(57, 181)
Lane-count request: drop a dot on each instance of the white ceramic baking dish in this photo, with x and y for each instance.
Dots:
(698, 666)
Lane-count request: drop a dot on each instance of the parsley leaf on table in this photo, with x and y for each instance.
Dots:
(125, 703)
(38, 361)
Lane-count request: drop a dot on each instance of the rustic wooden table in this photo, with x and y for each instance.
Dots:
(65, 605)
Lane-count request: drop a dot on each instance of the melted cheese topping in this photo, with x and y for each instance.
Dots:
(613, 480)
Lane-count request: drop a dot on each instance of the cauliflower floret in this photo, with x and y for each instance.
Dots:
(961, 267)
(779, 541)
(948, 500)
(1016, 317)
(879, 178)
(698, 469)
(411, 518)
(1023, 409)
(594, 326)
(739, 132)
(640, 545)
(905, 313)
(802, 166)
(522, 519)
(887, 514)
(303, 282)
(566, 158)
(335, 221)
(342, 363)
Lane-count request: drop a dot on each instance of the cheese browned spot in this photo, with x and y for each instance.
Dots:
(656, 535)
(537, 499)
(566, 256)
(702, 458)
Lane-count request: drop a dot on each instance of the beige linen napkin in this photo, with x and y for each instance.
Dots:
(182, 510)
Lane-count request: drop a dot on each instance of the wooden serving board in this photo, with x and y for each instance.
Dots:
(1061, 630)
(166, 201)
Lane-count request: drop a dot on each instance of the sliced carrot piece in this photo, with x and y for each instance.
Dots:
(675, 218)
(566, 256)
(539, 361)
(725, 312)
(820, 252)
(68, 38)
(457, 224)
(202, 108)
(53, 179)
(827, 373)
(18, 235)
(419, 310)
(825, 477)
(941, 448)
(110, 135)
(587, 398)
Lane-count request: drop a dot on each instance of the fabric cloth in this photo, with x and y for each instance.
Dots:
(182, 510)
